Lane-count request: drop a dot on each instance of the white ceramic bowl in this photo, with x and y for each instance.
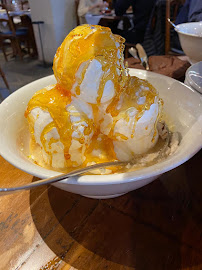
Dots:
(182, 104)
(190, 35)
(193, 77)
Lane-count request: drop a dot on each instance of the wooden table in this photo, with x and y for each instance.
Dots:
(153, 228)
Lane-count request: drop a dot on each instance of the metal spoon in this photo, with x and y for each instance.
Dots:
(142, 55)
(174, 25)
(133, 52)
(87, 169)
(64, 176)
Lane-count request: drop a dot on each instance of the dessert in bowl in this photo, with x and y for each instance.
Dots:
(93, 111)
(190, 35)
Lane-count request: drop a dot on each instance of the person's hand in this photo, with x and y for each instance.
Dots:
(104, 7)
(105, 4)
(99, 5)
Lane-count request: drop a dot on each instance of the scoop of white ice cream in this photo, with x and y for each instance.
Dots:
(56, 149)
(53, 148)
(89, 86)
(130, 136)
(79, 111)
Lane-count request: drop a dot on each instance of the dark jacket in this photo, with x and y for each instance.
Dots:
(141, 10)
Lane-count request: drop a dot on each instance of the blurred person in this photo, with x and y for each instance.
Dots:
(90, 6)
(141, 11)
(191, 11)
(154, 38)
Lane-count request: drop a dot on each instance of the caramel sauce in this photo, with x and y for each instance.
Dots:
(55, 101)
(81, 46)
(85, 43)
(133, 89)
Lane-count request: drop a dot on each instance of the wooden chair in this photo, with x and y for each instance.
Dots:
(173, 5)
(25, 5)
(76, 7)
(26, 22)
(4, 78)
(3, 2)
(171, 11)
(16, 36)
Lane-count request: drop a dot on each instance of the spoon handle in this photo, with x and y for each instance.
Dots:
(133, 52)
(174, 25)
(63, 176)
(142, 55)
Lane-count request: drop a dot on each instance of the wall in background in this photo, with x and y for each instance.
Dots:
(59, 19)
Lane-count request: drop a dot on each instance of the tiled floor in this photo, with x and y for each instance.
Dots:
(19, 73)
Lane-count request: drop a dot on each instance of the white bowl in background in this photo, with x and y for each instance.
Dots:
(190, 35)
(181, 104)
(193, 77)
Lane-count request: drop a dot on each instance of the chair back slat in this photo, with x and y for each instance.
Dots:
(9, 20)
(6, 23)
(25, 5)
(76, 7)
(175, 5)
(17, 35)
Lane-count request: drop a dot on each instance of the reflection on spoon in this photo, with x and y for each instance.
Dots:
(174, 25)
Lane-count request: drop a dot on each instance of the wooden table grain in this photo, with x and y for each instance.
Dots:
(156, 227)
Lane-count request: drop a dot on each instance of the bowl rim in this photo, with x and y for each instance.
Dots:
(187, 34)
(151, 171)
(191, 82)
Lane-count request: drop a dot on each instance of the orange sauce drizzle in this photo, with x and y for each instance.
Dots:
(82, 45)
(55, 101)
(131, 91)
